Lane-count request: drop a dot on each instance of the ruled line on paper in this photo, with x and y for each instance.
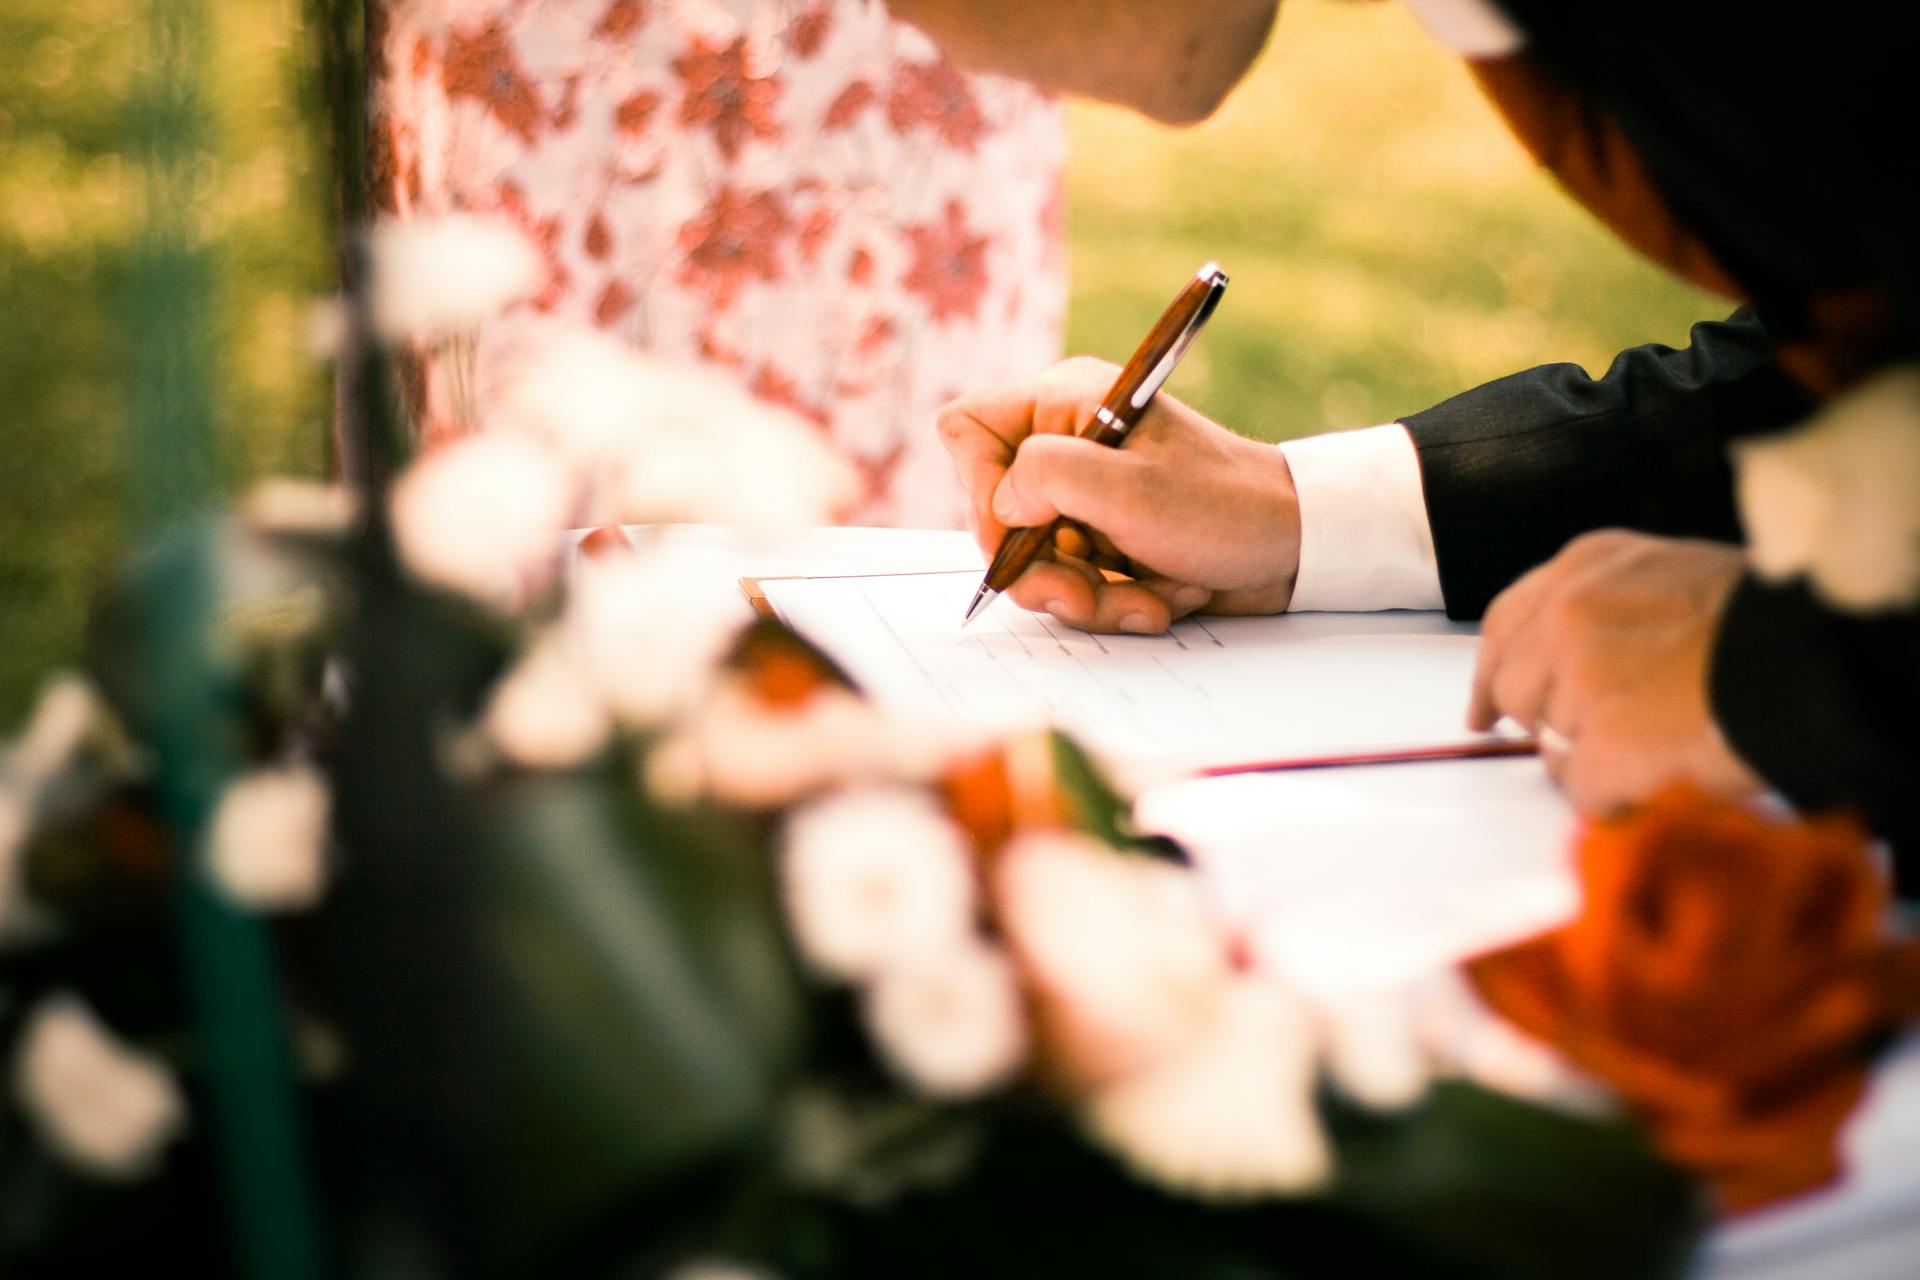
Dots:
(1295, 686)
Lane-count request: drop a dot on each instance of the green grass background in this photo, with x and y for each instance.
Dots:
(1389, 245)
(70, 208)
(1389, 242)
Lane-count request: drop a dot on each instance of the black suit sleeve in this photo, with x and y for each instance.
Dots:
(1515, 469)
(1822, 704)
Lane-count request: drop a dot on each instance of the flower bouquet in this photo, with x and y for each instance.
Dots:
(808, 1009)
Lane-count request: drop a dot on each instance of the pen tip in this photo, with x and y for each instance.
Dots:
(981, 599)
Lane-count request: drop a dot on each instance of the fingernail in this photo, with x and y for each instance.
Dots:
(1138, 624)
(1190, 597)
(1003, 500)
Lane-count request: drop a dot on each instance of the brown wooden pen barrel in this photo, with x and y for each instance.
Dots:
(1018, 550)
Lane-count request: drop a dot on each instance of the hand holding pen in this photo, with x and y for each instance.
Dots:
(1187, 516)
(1113, 421)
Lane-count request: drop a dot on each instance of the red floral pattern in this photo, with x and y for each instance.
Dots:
(615, 301)
(634, 113)
(622, 19)
(810, 30)
(481, 66)
(848, 105)
(736, 240)
(599, 239)
(935, 95)
(949, 271)
(814, 233)
(776, 387)
(801, 193)
(718, 90)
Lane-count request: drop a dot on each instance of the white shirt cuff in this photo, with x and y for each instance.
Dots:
(1364, 539)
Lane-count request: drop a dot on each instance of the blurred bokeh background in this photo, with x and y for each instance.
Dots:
(1388, 241)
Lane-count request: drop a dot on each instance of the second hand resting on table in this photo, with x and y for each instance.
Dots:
(1607, 644)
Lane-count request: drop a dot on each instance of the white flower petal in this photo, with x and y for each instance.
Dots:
(1788, 505)
(326, 328)
(16, 825)
(484, 516)
(1230, 1117)
(872, 876)
(61, 719)
(435, 276)
(590, 394)
(737, 748)
(284, 505)
(651, 629)
(267, 848)
(546, 713)
(106, 1107)
(1835, 499)
(721, 1269)
(1373, 1049)
(673, 774)
(1460, 1036)
(950, 1023)
(750, 465)
(1126, 945)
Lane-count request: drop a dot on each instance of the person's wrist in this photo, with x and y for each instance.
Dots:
(1273, 549)
(1285, 549)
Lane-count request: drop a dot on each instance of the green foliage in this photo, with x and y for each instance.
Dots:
(1466, 1185)
(651, 1004)
(69, 212)
(1389, 242)
(1481, 1176)
(1095, 806)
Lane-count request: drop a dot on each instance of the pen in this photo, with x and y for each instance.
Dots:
(1114, 420)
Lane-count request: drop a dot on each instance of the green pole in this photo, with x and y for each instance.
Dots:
(170, 464)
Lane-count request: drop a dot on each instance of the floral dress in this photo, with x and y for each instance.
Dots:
(802, 193)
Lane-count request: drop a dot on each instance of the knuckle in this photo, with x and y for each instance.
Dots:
(1603, 544)
(1594, 540)
(1566, 614)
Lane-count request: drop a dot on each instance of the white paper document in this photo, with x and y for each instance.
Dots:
(1377, 876)
(1212, 691)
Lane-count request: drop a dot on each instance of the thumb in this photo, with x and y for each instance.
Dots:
(1015, 508)
(1058, 475)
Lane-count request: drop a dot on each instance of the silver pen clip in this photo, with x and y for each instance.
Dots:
(1216, 285)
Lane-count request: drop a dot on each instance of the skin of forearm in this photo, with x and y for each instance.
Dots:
(1172, 62)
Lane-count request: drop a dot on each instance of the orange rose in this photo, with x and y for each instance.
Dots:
(1011, 786)
(1728, 975)
(781, 670)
